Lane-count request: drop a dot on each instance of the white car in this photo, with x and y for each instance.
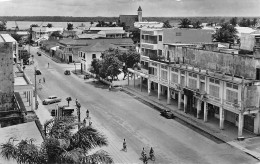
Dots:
(51, 99)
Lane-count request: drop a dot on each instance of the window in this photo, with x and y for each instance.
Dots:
(175, 70)
(93, 56)
(257, 73)
(174, 78)
(84, 56)
(164, 67)
(164, 75)
(178, 33)
(214, 91)
(80, 54)
(142, 36)
(153, 71)
(230, 85)
(160, 37)
(70, 49)
(183, 72)
(231, 96)
(182, 81)
(202, 77)
(193, 83)
(215, 81)
(160, 52)
(202, 87)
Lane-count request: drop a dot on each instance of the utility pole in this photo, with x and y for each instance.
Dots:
(78, 112)
(35, 89)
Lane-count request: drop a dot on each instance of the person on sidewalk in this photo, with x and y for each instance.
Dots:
(90, 123)
(84, 122)
(124, 146)
(40, 81)
(43, 79)
(48, 65)
(87, 113)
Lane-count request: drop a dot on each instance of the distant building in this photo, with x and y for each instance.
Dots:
(148, 24)
(41, 33)
(10, 39)
(250, 42)
(129, 20)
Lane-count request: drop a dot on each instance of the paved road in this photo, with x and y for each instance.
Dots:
(120, 116)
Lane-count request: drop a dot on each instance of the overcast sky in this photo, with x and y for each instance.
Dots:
(151, 8)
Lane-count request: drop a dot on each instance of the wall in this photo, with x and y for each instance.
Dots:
(247, 42)
(6, 77)
(187, 35)
(252, 96)
(223, 62)
(88, 58)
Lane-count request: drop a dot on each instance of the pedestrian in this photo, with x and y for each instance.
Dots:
(76, 101)
(87, 113)
(90, 123)
(48, 65)
(84, 122)
(43, 79)
(23, 67)
(39, 80)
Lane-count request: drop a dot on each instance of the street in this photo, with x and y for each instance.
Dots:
(119, 116)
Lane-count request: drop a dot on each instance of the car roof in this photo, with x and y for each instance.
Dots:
(52, 96)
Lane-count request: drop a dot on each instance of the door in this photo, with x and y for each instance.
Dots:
(70, 59)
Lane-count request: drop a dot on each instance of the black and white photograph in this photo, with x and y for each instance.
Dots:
(129, 82)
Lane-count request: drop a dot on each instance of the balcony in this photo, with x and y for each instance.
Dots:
(149, 46)
(149, 41)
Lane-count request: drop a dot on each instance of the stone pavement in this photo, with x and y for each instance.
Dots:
(251, 144)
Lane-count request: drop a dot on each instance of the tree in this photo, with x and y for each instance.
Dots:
(233, 21)
(244, 23)
(254, 22)
(17, 37)
(91, 23)
(96, 65)
(56, 34)
(69, 26)
(184, 23)
(49, 25)
(61, 147)
(136, 36)
(227, 33)
(2, 25)
(197, 24)
(68, 99)
(167, 24)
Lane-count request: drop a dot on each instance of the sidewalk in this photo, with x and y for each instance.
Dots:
(250, 146)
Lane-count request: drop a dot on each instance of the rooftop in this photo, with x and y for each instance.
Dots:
(7, 38)
(101, 47)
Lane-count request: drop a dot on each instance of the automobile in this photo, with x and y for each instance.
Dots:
(67, 72)
(39, 53)
(50, 100)
(167, 114)
(38, 72)
(86, 76)
(117, 87)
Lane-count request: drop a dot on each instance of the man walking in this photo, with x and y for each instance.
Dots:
(48, 65)
(43, 79)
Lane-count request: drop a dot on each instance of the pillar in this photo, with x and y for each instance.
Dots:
(128, 79)
(185, 103)
(29, 96)
(31, 99)
(141, 80)
(134, 80)
(221, 118)
(198, 108)
(179, 100)
(149, 87)
(168, 95)
(159, 91)
(240, 124)
(257, 124)
(205, 111)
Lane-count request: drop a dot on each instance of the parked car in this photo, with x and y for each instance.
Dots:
(39, 53)
(50, 100)
(117, 87)
(168, 114)
(86, 76)
(67, 72)
(38, 72)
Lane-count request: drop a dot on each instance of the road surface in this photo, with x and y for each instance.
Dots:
(120, 116)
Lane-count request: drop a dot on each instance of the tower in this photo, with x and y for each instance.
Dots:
(139, 11)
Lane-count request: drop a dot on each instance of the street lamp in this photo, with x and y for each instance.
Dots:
(78, 112)
(75, 67)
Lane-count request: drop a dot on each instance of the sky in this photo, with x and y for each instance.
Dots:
(151, 8)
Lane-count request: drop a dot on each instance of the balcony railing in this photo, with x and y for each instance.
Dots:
(150, 41)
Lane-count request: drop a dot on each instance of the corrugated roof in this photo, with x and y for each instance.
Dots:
(101, 47)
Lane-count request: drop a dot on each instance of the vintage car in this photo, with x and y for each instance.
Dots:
(167, 114)
(38, 72)
(39, 53)
(67, 72)
(50, 100)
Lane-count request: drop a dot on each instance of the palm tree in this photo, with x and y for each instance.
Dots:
(185, 23)
(197, 24)
(60, 147)
(167, 24)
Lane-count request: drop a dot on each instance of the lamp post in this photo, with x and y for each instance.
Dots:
(78, 112)
(75, 67)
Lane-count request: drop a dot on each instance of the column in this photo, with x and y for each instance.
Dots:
(141, 79)
(185, 103)
(221, 118)
(179, 100)
(168, 95)
(149, 87)
(31, 99)
(240, 124)
(257, 124)
(198, 108)
(134, 80)
(128, 78)
(159, 91)
(205, 111)
(29, 96)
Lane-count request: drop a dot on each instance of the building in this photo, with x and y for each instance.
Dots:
(211, 85)
(94, 51)
(129, 20)
(104, 32)
(148, 24)
(250, 42)
(69, 48)
(40, 33)
(10, 39)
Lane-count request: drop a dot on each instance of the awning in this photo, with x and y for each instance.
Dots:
(54, 48)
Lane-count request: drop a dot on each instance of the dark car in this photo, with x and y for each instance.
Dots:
(167, 114)
(38, 72)
(39, 53)
(67, 72)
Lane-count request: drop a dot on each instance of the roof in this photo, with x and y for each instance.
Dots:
(101, 47)
(22, 33)
(90, 36)
(105, 28)
(7, 38)
(112, 32)
(246, 30)
(139, 8)
(19, 132)
(84, 42)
